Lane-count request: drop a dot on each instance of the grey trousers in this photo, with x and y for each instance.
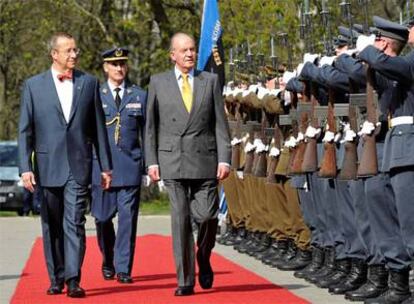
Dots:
(195, 199)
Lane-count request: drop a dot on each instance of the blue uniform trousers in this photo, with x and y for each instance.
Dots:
(383, 217)
(347, 224)
(402, 182)
(117, 251)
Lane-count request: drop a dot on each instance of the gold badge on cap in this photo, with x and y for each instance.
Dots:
(118, 53)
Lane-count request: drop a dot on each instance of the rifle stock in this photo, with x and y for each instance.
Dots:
(350, 163)
(274, 161)
(328, 166)
(236, 149)
(368, 165)
(310, 157)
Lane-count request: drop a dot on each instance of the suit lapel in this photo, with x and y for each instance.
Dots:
(49, 83)
(77, 90)
(126, 97)
(199, 86)
(107, 96)
(176, 95)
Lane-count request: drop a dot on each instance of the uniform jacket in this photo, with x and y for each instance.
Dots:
(127, 154)
(186, 145)
(62, 148)
(399, 141)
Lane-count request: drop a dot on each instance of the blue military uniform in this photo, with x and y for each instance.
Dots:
(125, 125)
(398, 159)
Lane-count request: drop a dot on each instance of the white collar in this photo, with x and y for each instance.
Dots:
(112, 87)
(178, 73)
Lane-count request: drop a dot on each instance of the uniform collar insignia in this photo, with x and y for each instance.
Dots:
(129, 91)
(104, 90)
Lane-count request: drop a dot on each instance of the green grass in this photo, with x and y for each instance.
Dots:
(8, 213)
(155, 207)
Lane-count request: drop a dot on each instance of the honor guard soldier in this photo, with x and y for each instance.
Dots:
(124, 107)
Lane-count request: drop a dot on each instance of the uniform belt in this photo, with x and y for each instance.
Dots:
(402, 120)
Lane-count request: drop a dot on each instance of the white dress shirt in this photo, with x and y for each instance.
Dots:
(180, 78)
(65, 93)
(112, 87)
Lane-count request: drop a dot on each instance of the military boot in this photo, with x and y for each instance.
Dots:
(356, 278)
(230, 233)
(342, 269)
(315, 264)
(302, 259)
(257, 239)
(327, 268)
(271, 250)
(280, 249)
(237, 238)
(398, 289)
(265, 247)
(376, 284)
(288, 256)
(245, 242)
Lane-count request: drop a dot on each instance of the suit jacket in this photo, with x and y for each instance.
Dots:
(127, 155)
(186, 145)
(62, 148)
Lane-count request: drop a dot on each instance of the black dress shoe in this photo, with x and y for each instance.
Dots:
(55, 289)
(74, 290)
(124, 278)
(184, 291)
(108, 273)
(206, 279)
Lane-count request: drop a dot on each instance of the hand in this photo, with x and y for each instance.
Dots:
(363, 41)
(312, 132)
(29, 181)
(308, 57)
(327, 60)
(106, 179)
(368, 128)
(288, 76)
(154, 174)
(329, 136)
(222, 171)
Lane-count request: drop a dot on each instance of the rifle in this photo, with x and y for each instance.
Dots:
(310, 156)
(260, 169)
(296, 161)
(347, 14)
(368, 165)
(271, 169)
(236, 149)
(328, 165)
(350, 163)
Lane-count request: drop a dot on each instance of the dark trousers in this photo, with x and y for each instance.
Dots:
(117, 251)
(63, 226)
(196, 199)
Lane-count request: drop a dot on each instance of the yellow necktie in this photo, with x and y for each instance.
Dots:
(186, 93)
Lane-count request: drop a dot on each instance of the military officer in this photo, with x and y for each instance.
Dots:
(124, 107)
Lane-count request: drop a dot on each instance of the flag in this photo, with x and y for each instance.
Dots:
(210, 52)
(222, 208)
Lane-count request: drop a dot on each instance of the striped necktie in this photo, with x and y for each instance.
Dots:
(186, 93)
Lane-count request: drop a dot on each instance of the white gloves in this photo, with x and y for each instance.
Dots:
(287, 98)
(299, 69)
(261, 92)
(308, 57)
(329, 136)
(312, 132)
(145, 180)
(236, 141)
(363, 41)
(290, 143)
(274, 152)
(327, 60)
(349, 135)
(350, 52)
(288, 76)
(367, 128)
(249, 147)
(300, 137)
(259, 145)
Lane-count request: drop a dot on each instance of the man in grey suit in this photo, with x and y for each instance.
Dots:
(61, 118)
(188, 146)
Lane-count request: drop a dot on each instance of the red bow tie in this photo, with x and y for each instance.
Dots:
(67, 75)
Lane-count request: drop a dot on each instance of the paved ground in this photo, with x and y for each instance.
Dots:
(17, 235)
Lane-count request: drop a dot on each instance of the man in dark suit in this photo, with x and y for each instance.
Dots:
(61, 118)
(124, 107)
(188, 146)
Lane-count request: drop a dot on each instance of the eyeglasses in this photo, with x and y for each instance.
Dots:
(68, 52)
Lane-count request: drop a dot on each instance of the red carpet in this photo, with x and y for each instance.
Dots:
(154, 280)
